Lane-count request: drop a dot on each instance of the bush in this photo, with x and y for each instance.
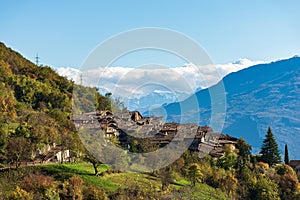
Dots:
(287, 181)
(266, 189)
(38, 183)
(52, 194)
(93, 193)
(20, 194)
(283, 169)
(73, 188)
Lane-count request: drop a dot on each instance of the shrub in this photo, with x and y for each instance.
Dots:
(93, 193)
(73, 188)
(52, 194)
(20, 194)
(38, 183)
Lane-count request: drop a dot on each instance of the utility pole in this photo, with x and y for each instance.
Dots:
(81, 79)
(37, 58)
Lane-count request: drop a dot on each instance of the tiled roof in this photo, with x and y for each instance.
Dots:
(294, 163)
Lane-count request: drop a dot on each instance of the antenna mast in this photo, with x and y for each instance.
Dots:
(37, 58)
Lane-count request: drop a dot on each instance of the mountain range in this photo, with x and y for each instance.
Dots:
(258, 97)
(144, 88)
(152, 99)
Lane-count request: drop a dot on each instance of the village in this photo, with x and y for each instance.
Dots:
(122, 125)
(126, 124)
(131, 124)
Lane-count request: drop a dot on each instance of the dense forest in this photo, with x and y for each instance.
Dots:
(35, 111)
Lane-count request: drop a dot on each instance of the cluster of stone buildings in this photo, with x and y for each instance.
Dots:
(201, 139)
(54, 154)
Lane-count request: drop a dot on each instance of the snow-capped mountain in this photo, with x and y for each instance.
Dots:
(166, 84)
(152, 99)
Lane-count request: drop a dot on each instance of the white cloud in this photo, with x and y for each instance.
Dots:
(70, 73)
(124, 81)
(243, 63)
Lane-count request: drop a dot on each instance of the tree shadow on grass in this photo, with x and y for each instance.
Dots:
(62, 172)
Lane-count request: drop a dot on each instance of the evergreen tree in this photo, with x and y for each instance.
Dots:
(286, 155)
(244, 153)
(269, 150)
(194, 173)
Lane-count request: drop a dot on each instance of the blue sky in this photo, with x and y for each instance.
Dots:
(65, 32)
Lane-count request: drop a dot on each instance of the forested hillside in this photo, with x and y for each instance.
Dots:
(36, 106)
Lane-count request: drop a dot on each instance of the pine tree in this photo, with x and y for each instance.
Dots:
(286, 155)
(269, 150)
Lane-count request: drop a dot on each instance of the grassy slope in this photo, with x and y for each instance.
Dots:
(85, 170)
(111, 182)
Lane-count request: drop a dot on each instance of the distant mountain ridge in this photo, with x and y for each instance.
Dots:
(155, 98)
(256, 97)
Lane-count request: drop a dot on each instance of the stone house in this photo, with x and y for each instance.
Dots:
(295, 164)
(55, 154)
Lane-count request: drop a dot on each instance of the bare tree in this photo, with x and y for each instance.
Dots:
(18, 150)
